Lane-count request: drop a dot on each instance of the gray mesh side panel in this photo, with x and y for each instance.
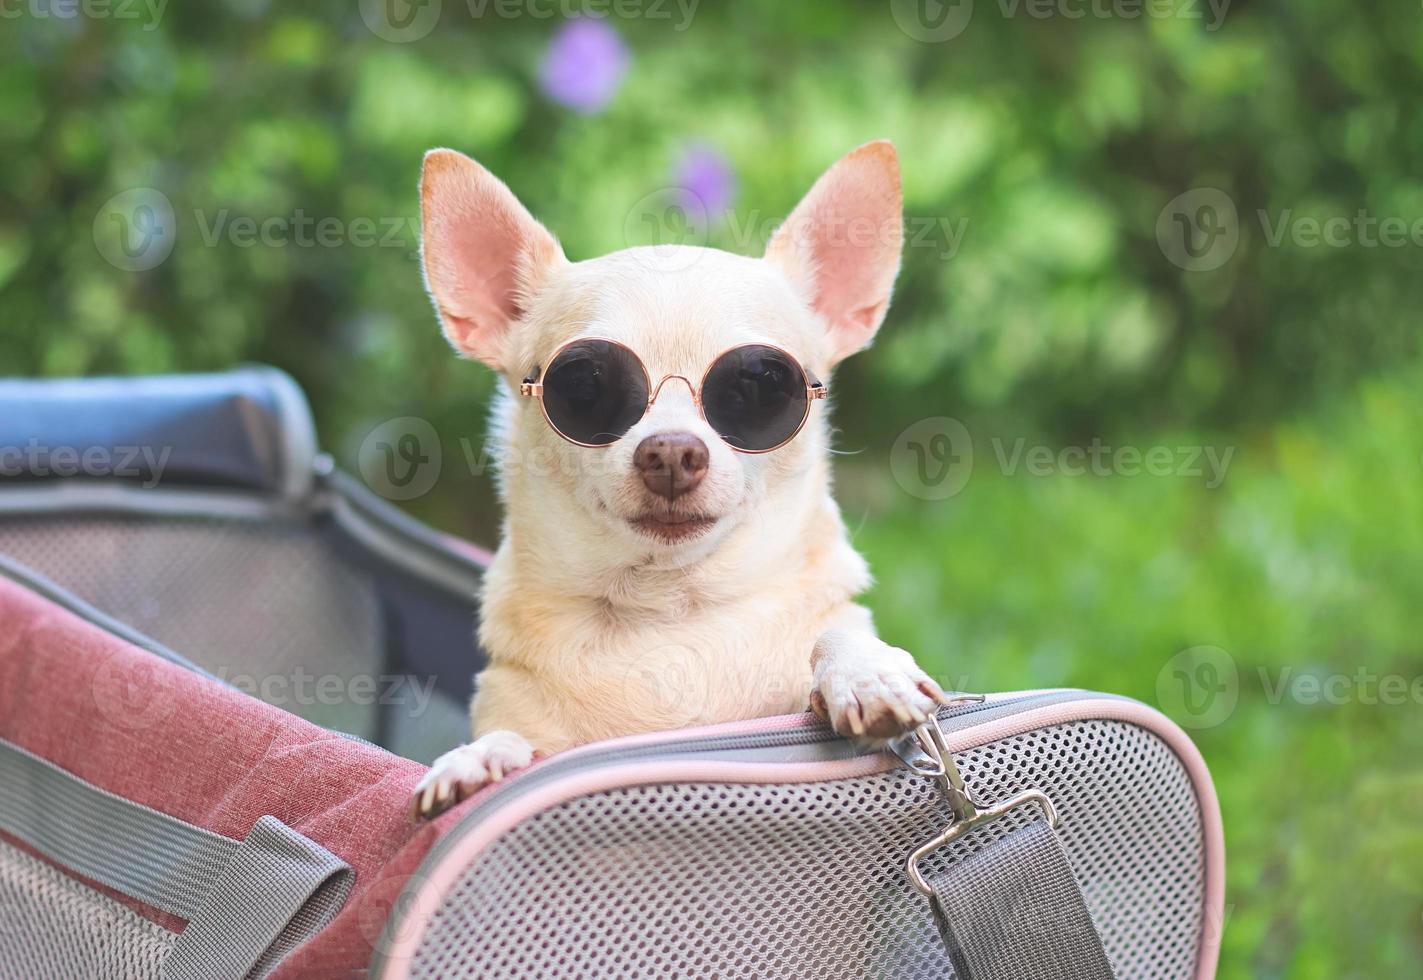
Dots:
(54, 927)
(268, 606)
(807, 880)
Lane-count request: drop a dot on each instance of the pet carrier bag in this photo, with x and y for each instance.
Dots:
(224, 665)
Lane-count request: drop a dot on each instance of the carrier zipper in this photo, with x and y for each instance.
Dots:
(809, 734)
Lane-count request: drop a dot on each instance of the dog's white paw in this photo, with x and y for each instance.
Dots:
(461, 772)
(868, 689)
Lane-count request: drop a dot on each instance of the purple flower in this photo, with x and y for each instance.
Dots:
(705, 181)
(584, 65)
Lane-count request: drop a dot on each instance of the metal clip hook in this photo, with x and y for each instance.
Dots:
(929, 739)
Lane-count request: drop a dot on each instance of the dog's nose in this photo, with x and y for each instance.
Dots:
(672, 463)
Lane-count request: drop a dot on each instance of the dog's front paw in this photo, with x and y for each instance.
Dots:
(461, 772)
(868, 689)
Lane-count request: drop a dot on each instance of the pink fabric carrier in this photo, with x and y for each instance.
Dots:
(220, 683)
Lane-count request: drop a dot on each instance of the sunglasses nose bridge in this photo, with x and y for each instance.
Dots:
(691, 388)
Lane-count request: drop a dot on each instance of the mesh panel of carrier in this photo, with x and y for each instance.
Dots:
(268, 606)
(56, 928)
(807, 880)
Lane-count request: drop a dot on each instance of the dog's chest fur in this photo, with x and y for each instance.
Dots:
(643, 648)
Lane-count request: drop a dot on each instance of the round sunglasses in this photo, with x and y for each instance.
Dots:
(755, 396)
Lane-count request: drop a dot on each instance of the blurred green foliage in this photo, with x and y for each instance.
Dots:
(1036, 304)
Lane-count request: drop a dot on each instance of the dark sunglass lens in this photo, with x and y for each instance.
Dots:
(594, 391)
(755, 397)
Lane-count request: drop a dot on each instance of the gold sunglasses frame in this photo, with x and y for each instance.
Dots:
(532, 387)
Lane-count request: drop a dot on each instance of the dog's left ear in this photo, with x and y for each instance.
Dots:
(841, 244)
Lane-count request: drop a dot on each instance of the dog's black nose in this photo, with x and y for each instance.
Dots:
(672, 463)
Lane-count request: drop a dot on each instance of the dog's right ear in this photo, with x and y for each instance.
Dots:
(842, 242)
(482, 252)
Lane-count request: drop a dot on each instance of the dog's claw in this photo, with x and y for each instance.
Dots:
(459, 774)
(931, 687)
(906, 715)
(854, 717)
(870, 690)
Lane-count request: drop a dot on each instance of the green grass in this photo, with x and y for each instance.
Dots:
(1307, 559)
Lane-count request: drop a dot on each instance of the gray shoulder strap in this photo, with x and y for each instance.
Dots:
(1014, 911)
(248, 903)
